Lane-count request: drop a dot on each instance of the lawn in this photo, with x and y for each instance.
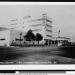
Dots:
(34, 55)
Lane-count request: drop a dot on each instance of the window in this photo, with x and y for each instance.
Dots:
(2, 39)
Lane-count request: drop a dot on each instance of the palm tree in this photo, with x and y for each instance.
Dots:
(39, 37)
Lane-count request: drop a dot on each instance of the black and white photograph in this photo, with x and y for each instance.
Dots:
(37, 34)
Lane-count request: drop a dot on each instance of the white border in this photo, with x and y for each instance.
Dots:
(37, 3)
(38, 67)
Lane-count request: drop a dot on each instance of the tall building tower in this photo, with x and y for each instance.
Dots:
(43, 26)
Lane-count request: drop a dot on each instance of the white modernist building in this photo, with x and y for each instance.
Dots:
(10, 36)
(43, 26)
(4, 38)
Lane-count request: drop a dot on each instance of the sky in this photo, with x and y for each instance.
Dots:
(63, 17)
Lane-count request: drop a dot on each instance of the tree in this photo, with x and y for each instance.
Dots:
(39, 37)
(29, 36)
(32, 37)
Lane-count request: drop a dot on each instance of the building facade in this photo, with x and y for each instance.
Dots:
(4, 38)
(43, 26)
(60, 40)
(11, 37)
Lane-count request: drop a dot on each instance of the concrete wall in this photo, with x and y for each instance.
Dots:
(15, 34)
(5, 38)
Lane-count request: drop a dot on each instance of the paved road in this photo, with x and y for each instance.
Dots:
(35, 55)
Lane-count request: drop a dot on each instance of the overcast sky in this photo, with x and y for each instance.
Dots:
(63, 16)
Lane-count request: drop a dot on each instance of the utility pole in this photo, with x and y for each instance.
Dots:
(59, 33)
